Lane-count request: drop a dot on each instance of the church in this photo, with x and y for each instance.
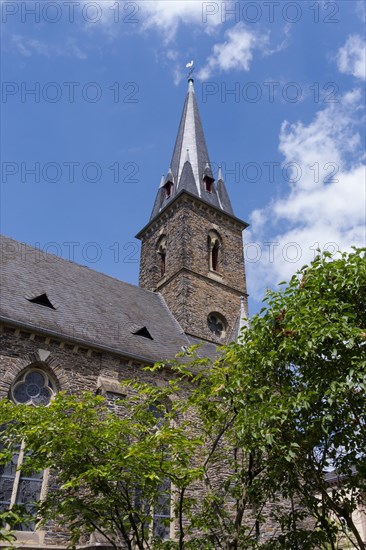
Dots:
(67, 327)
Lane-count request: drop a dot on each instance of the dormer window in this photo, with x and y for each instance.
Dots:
(209, 185)
(144, 333)
(42, 300)
(168, 189)
(208, 178)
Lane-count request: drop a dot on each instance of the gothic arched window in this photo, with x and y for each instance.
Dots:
(214, 248)
(161, 509)
(157, 510)
(215, 256)
(32, 387)
(162, 254)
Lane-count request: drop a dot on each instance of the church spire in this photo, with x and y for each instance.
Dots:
(192, 247)
(192, 173)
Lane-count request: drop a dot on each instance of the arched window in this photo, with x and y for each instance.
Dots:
(161, 510)
(158, 508)
(162, 254)
(32, 387)
(215, 256)
(214, 247)
(217, 324)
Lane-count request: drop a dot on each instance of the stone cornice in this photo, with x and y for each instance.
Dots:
(199, 201)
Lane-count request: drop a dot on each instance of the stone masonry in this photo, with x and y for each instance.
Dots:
(191, 289)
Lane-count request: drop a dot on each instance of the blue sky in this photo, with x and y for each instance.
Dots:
(281, 90)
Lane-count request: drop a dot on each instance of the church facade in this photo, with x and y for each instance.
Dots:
(67, 327)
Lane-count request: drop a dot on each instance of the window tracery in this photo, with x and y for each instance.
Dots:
(217, 324)
(161, 508)
(33, 387)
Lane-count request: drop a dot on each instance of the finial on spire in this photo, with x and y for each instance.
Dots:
(187, 156)
(162, 181)
(219, 175)
(191, 69)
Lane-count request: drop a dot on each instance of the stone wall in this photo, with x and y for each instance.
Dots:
(74, 369)
(190, 288)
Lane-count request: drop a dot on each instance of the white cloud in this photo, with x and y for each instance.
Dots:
(361, 10)
(351, 58)
(283, 45)
(167, 15)
(108, 16)
(71, 49)
(236, 53)
(318, 211)
(28, 47)
(164, 16)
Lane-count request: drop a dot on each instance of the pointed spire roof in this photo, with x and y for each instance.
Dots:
(169, 177)
(207, 173)
(187, 180)
(190, 164)
(222, 193)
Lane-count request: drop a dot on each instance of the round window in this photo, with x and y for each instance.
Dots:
(217, 324)
(33, 388)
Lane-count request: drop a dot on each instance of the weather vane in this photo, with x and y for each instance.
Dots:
(191, 69)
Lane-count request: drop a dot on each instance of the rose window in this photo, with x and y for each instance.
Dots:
(217, 324)
(35, 388)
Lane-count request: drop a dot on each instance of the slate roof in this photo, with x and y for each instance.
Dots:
(90, 307)
(190, 148)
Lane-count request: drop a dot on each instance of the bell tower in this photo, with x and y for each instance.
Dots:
(192, 250)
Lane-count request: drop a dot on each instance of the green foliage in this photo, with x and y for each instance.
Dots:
(244, 440)
(8, 519)
(302, 366)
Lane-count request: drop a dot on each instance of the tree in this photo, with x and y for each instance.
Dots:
(243, 444)
(7, 519)
(108, 469)
(303, 366)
